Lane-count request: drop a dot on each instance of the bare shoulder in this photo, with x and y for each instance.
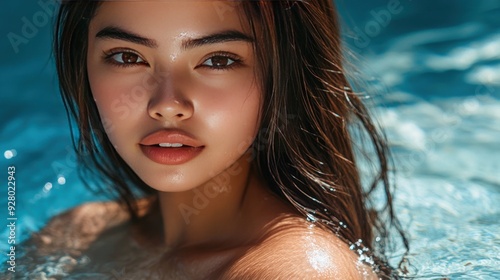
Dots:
(298, 250)
(73, 230)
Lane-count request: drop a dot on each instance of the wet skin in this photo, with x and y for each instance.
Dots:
(178, 67)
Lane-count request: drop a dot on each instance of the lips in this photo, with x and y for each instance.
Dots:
(170, 147)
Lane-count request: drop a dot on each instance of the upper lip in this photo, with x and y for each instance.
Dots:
(170, 136)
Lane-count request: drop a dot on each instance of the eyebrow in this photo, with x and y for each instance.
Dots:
(113, 32)
(220, 37)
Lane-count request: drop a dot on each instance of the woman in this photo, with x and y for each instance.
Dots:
(232, 120)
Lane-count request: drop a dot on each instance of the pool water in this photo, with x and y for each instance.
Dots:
(434, 67)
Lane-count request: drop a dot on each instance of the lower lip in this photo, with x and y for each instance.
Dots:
(171, 156)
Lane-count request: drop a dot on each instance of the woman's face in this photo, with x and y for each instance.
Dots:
(175, 87)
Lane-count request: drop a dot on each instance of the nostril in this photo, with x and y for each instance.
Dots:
(168, 109)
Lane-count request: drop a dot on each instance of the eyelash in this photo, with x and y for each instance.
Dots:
(108, 58)
(237, 61)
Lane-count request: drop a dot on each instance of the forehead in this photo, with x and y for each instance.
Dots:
(169, 18)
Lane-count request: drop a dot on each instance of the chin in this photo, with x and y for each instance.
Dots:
(171, 182)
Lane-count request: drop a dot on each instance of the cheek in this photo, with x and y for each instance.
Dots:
(236, 103)
(234, 98)
(118, 98)
(237, 118)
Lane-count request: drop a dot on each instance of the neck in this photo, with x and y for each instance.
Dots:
(210, 213)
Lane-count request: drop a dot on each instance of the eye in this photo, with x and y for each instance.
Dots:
(221, 61)
(124, 58)
(218, 61)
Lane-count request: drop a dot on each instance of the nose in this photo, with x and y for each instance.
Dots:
(169, 103)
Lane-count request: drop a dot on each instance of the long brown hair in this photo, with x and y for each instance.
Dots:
(101, 168)
(305, 150)
(310, 113)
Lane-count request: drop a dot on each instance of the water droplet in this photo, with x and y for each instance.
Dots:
(311, 218)
(61, 180)
(47, 187)
(8, 154)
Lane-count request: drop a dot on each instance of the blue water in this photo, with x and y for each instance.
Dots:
(434, 70)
